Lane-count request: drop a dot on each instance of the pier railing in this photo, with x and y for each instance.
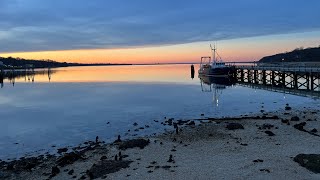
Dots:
(281, 68)
(295, 76)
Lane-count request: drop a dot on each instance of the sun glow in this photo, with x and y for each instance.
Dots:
(244, 49)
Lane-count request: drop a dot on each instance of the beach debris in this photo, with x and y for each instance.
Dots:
(106, 167)
(287, 108)
(170, 158)
(69, 158)
(149, 171)
(141, 143)
(285, 121)
(244, 144)
(309, 161)
(118, 140)
(54, 171)
(71, 172)
(202, 114)
(153, 162)
(295, 118)
(300, 126)
(62, 150)
(135, 124)
(234, 126)
(270, 133)
(258, 160)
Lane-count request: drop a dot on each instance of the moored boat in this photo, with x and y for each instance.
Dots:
(215, 67)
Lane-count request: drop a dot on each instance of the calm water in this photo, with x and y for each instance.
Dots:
(70, 105)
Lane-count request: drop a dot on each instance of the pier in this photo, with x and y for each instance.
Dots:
(297, 77)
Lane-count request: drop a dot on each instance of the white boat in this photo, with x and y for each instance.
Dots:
(216, 67)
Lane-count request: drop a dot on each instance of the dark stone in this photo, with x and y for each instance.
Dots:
(295, 118)
(54, 171)
(300, 126)
(71, 172)
(287, 108)
(166, 167)
(135, 124)
(285, 121)
(202, 114)
(62, 150)
(266, 170)
(69, 158)
(314, 130)
(233, 126)
(309, 161)
(270, 133)
(106, 167)
(103, 158)
(141, 143)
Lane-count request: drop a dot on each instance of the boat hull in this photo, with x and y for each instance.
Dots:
(217, 72)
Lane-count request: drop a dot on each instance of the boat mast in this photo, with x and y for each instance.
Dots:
(213, 53)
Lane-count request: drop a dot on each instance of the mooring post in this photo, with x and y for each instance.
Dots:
(272, 77)
(264, 76)
(312, 81)
(255, 76)
(308, 81)
(295, 80)
(242, 75)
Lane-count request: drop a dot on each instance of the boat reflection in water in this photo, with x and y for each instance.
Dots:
(215, 85)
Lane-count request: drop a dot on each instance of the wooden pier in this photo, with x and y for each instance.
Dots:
(281, 76)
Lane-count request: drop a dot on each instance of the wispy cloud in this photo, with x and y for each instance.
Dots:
(37, 25)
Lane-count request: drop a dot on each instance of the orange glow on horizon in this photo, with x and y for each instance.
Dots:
(243, 49)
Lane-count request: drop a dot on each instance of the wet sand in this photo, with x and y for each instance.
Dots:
(263, 149)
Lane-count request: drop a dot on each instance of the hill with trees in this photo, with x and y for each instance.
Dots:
(297, 55)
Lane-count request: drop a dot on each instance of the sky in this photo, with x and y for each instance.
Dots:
(144, 31)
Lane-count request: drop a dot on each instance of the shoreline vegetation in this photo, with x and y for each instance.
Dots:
(271, 145)
(19, 63)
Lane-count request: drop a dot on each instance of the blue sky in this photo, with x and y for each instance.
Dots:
(40, 25)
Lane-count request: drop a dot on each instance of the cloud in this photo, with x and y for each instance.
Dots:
(37, 25)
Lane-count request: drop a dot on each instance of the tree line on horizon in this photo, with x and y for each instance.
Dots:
(310, 54)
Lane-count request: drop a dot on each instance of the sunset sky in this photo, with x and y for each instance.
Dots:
(144, 31)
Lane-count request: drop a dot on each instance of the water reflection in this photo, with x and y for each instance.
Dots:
(215, 85)
(26, 75)
(140, 73)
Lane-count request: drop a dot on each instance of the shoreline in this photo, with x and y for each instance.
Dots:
(202, 149)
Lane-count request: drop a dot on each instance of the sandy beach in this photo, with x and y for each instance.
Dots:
(262, 147)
